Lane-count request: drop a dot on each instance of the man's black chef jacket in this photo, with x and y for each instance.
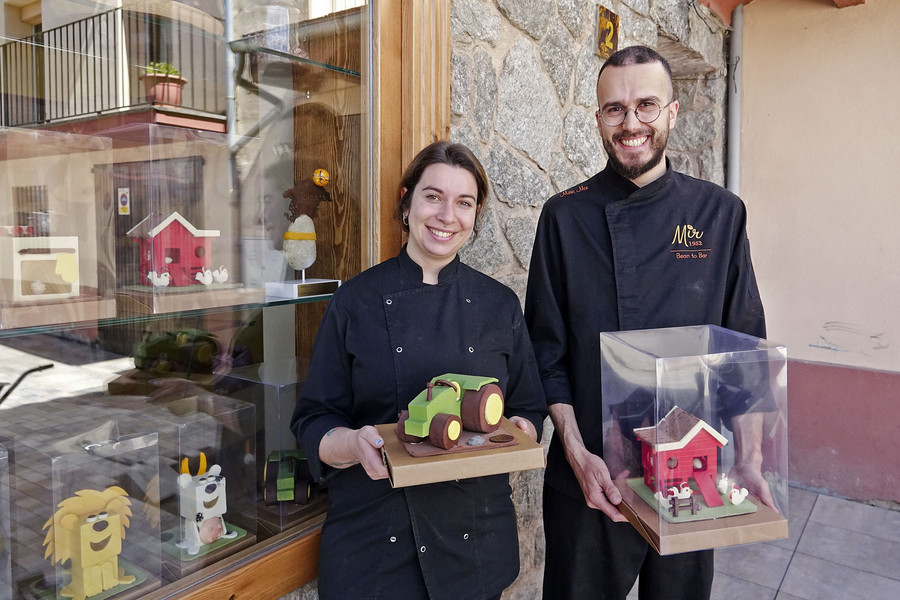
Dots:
(384, 335)
(612, 256)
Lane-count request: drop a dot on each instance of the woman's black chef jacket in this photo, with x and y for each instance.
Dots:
(384, 335)
(611, 256)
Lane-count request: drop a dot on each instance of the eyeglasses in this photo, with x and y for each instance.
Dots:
(646, 112)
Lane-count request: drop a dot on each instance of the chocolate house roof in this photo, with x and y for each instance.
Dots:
(675, 431)
(146, 229)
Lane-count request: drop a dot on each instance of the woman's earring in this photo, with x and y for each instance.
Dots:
(405, 220)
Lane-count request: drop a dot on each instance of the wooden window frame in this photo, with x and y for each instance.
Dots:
(411, 43)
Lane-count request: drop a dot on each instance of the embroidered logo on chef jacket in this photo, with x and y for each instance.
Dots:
(687, 244)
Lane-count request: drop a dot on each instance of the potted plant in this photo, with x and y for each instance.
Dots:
(163, 83)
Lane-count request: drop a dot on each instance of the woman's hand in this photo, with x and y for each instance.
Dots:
(343, 447)
(525, 425)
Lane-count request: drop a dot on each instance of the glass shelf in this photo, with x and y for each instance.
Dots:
(146, 318)
(245, 47)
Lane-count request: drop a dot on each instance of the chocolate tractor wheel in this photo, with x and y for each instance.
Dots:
(481, 409)
(401, 430)
(445, 430)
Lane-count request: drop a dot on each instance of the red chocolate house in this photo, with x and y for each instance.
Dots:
(681, 446)
(174, 245)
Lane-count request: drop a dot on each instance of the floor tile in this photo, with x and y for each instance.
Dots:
(812, 578)
(866, 553)
(800, 505)
(726, 587)
(855, 516)
(763, 564)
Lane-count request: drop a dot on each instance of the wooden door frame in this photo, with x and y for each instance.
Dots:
(412, 46)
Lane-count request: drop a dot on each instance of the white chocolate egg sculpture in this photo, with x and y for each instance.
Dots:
(300, 243)
(300, 238)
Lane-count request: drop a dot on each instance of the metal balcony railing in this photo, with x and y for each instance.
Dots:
(93, 66)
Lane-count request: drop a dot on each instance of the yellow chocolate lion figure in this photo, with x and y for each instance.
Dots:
(88, 529)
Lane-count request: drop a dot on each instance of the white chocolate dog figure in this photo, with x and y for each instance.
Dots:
(202, 503)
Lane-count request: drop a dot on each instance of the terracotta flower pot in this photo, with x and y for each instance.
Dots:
(163, 89)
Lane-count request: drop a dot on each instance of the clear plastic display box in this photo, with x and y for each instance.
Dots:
(695, 434)
(207, 467)
(56, 243)
(5, 542)
(86, 517)
(178, 221)
(286, 494)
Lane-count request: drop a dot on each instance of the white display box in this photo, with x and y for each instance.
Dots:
(683, 407)
(177, 223)
(286, 492)
(208, 454)
(88, 502)
(56, 243)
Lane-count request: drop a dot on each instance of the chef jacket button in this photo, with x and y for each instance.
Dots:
(471, 349)
(389, 301)
(393, 539)
(465, 536)
(468, 301)
(422, 549)
(399, 349)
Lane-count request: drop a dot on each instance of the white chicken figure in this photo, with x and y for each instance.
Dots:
(737, 495)
(723, 484)
(220, 275)
(161, 280)
(204, 276)
(684, 491)
(665, 499)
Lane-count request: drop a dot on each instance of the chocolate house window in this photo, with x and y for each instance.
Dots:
(32, 209)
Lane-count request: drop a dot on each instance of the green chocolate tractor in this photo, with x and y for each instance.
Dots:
(181, 351)
(287, 478)
(448, 404)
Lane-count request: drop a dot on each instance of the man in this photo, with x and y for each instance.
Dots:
(613, 254)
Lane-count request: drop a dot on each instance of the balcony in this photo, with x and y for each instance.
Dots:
(92, 68)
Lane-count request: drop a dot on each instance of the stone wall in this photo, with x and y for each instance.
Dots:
(523, 98)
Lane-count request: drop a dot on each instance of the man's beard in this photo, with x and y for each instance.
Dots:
(658, 139)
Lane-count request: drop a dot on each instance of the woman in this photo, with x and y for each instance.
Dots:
(385, 334)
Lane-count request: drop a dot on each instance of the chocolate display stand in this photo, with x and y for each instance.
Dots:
(300, 240)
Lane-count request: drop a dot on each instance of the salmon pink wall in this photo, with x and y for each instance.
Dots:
(844, 430)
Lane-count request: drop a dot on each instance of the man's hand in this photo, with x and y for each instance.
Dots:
(596, 484)
(747, 470)
(600, 493)
(752, 479)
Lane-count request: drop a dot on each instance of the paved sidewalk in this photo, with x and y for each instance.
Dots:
(837, 550)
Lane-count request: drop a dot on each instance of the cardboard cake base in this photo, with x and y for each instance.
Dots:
(72, 310)
(146, 300)
(405, 470)
(762, 525)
